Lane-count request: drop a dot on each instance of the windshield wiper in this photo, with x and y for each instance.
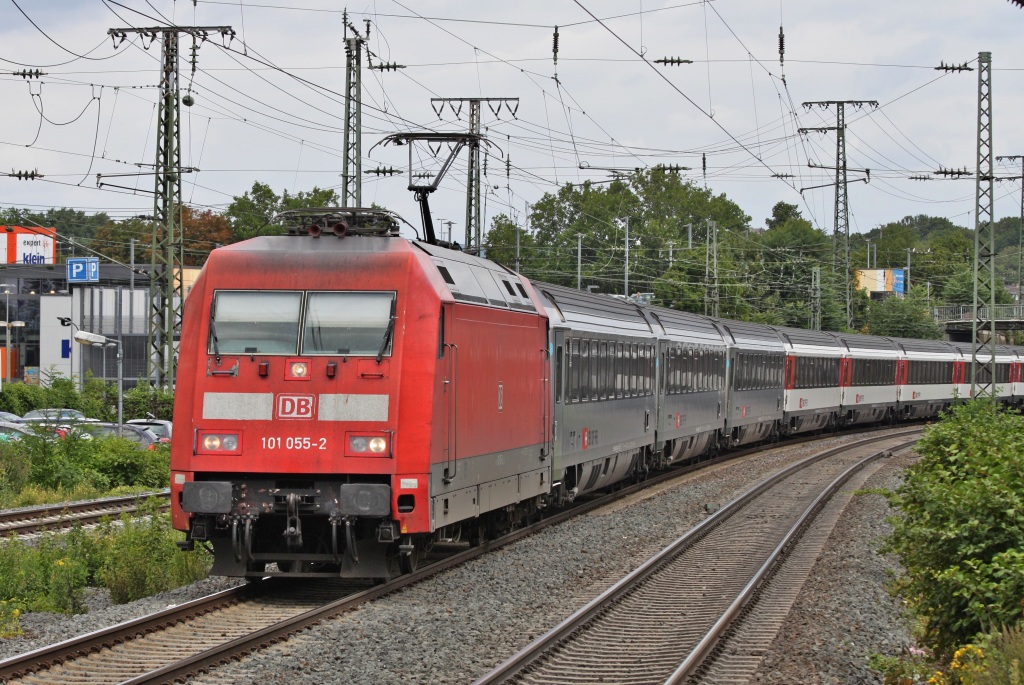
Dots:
(213, 335)
(387, 333)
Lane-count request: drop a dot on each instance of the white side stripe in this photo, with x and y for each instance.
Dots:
(242, 406)
(353, 408)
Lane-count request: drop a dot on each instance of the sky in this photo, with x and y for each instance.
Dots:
(269, 103)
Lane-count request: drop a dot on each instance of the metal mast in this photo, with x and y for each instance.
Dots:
(167, 253)
(473, 182)
(841, 221)
(983, 371)
(816, 298)
(474, 237)
(352, 161)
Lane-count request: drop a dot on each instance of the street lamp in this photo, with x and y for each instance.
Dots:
(86, 338)
(66, 321)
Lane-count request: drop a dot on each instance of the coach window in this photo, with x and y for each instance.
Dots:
(647, 369)
(574, 371)
(586, 348)
(605, 375)
(595, 371)
(618, 369)
(349, 323)
(254, 322)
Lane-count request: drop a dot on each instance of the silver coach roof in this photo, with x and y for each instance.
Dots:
(585, 310)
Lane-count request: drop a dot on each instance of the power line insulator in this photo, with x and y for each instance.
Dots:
(25, 175)
(673, 61)
(29, 73)
(782, 46)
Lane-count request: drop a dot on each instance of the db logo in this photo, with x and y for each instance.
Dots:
(296, 406)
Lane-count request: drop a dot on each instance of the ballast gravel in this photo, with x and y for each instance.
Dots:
(458, 625)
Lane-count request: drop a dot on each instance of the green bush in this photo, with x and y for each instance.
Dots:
(14, 468)
(133, 558)
(140, 557)
(122, 464)
(59, 463)
(144, 399)
(97, 399)
(959, 532)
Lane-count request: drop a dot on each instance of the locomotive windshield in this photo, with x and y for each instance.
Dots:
(268, 322)
(248, 322)
(348, 323)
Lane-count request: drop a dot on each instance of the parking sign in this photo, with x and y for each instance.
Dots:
(83, 270)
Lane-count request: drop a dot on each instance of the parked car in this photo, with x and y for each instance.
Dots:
(160, 427)
(12, 430)
(55, 416)
(8, 417)
(142, 436)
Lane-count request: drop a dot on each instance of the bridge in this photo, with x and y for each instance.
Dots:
(957, 319)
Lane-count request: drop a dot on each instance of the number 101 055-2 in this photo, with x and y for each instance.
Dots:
(276, 443)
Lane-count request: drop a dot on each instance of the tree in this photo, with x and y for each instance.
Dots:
(202, 232)
(781, 213)
(500, 241)
(70, 223)
(253, 212)
(658, 206)
(902, 317)
(959, 289)
(113, 240)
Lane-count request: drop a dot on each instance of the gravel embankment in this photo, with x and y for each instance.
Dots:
(456, 626)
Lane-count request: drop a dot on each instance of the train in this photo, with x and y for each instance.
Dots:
(348, 398)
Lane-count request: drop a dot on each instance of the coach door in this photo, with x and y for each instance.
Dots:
(448, 356)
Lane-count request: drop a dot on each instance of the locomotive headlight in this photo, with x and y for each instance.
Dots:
(296, 369)
(219, 442)
(369, 445)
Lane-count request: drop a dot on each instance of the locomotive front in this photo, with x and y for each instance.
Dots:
(291, 445)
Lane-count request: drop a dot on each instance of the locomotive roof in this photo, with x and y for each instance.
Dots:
(479, 281)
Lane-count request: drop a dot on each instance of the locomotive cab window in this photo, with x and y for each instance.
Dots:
(355, 323)
(249, 322)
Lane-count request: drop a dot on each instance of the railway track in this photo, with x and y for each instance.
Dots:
(699, 610)
(195, 637)
(56, 516)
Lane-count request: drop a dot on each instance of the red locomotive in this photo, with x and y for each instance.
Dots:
(344, 404)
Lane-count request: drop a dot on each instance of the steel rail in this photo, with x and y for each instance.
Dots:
(707, 644)
(55, 516)
(523, 659)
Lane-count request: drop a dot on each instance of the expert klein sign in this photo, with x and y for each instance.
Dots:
(28, 245)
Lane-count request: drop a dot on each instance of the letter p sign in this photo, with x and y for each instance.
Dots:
(296, 406)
